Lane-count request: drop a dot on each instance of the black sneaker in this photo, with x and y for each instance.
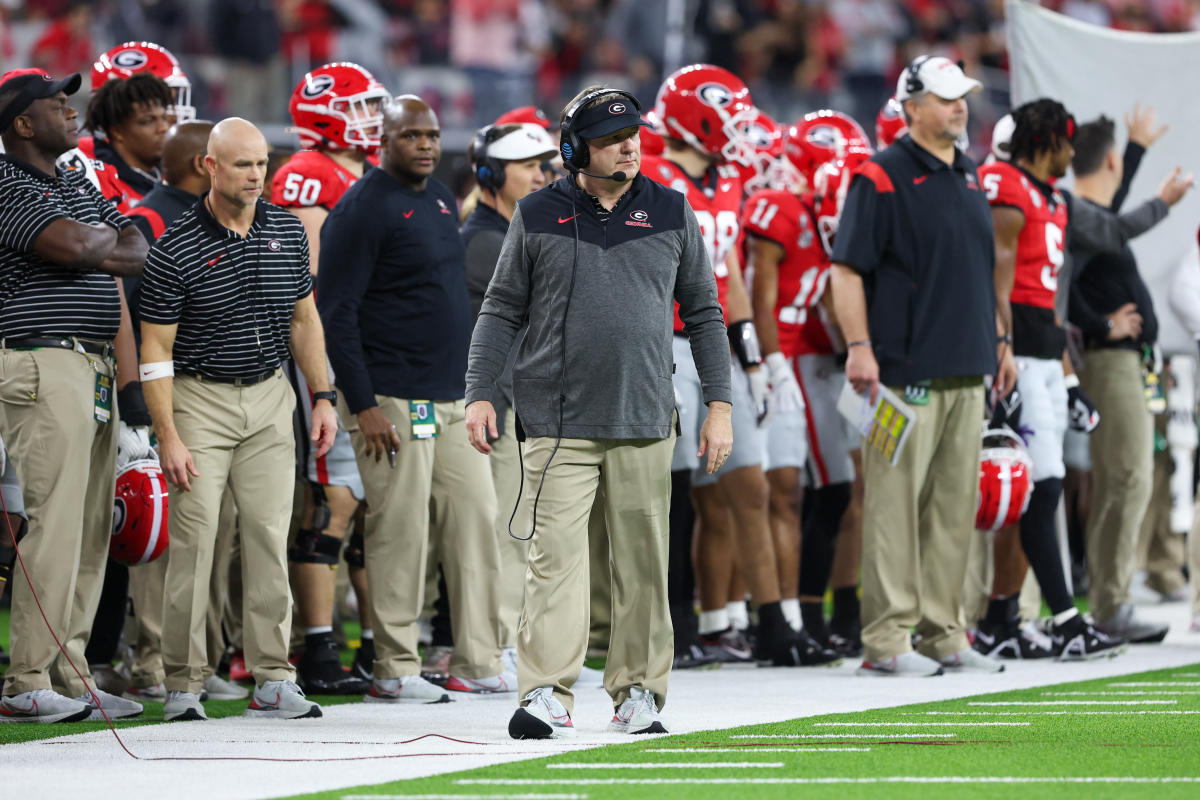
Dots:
(727, 647)
(695, 657)
(845, 638)
(1079, 640)
(364, 661)
(795, 649)
(1009, 640)
(320, 670)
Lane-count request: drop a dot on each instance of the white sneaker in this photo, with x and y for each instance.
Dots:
(638, 714)
(543, 717)
(281, 700)
(42, 705)
(183, 706)
(497, 684)
(590, 677)
(508, 659)
(115, 707)
(970, 660)
(146, 694)
(906, 665)
(409, 689)
(221, 689)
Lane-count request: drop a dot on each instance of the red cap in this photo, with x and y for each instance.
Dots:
(524, 114)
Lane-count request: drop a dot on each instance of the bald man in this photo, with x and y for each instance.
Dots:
(226, 293)
(392, 289)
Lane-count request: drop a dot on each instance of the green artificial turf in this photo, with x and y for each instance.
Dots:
(1058, 742)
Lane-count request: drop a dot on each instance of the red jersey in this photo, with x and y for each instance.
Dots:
(310, 178)
(787, 219)
(1040, 243)
(716, 206)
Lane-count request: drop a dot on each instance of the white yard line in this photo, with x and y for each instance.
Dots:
(1044, 713)
(948, 724)
(1072, 702)
(804, 781)
(848, 734)
(1112, 694)
(757, 750)
(668, 765)
(528, 796)
(1167, 684)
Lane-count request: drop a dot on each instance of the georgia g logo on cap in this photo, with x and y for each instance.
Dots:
(316, 86)
(130, 59)
(616, 108)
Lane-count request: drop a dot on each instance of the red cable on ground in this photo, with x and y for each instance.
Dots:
(61, 649)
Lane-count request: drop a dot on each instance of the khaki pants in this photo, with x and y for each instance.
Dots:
(445, 481)
(1122, 470)
(600, 626)
(146, 586)
(66, 464)
(240, 436)
(1161, 550)
(514, 552)
(636, 478)
(918, 517)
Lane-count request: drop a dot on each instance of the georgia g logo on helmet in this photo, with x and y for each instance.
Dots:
(316, 86)
(715, 94)
(825, 136)
(131, 59)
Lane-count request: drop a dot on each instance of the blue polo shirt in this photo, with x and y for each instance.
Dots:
(919, 231)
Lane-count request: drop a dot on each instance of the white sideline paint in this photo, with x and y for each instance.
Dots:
(757, 750)
(896, 735)
(1112, 694)
(804, 781)
(1073, 703)
(667, 765)
(1167, 684)
(928, 724)
(1044, 713)
(697, 701)
(533, 796)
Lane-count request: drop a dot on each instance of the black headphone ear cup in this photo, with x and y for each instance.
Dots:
(496, 174)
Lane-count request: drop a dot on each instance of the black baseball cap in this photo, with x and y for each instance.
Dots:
(30, 85)
(608, 117)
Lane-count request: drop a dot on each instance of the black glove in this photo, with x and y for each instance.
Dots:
(1082, 414)
(132, 405)
(1006, 413)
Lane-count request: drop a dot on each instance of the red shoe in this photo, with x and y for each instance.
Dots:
(237, 670)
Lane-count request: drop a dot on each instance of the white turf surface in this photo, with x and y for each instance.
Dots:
(359, 744)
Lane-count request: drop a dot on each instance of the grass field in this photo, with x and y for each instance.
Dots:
(1133, 736)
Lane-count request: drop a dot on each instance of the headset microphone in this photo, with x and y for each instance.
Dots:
(618, 176)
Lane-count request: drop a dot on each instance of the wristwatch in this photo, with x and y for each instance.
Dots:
(331, 396)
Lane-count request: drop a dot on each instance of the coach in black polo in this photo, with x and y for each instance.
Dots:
(60, 245)
(913, 290)
(226, 291)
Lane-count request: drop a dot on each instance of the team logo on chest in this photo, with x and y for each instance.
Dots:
(274, 245)
(639, 219)
(442, 206)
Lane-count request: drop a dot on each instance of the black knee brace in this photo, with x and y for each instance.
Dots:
(354, 553)
(314, 547)
(818, 535)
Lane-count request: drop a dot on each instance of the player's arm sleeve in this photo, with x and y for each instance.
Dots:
(504, 310)
(482, 254)
(866, 220)
(162, 293)
(350, 242)
(703, 322)
(1132, 160)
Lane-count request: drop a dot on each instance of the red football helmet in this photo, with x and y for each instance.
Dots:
(889, 123)
(830, 184)
(822, 136)
(704, 106)
(139, 514)
(131, 58)
(1005, 480)
(339, 106)
(766, 140)
(652, 138)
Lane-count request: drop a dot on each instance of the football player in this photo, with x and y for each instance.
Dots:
(700, 108)
(1030, 219)
(336, 110)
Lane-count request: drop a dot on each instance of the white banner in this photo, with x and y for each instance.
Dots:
(1092, 71)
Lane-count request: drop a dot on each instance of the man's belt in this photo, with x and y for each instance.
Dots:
(60, 342)
(240, 380)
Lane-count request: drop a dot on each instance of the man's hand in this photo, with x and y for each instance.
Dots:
(1175, 187)
(716, 435)
(324, 426)
(785, 390)
(760, 394)
(481, 425)
(1006, 371)
(381, 436)
(1126, 323)
(863, 371)
(176, 462)
(1143, 126)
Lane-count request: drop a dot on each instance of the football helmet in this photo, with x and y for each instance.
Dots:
(889, 123)
(340, 107)
(766, 140)
(1005, 480)
(129, 59)
(139, 533)
(822, 136)
(830, 184)
(707, 107)
(652, 138)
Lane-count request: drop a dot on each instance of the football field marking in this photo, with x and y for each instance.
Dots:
(526, 796)
(1119, 694)
(1167, 684)
(1043, 713)
(920, 779)
(1073, 702)
(930, 724)
(757, 750)
(670, 765)
(897, 735)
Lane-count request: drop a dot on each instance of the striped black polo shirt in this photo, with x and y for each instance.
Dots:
(38, 297)
(232, 297)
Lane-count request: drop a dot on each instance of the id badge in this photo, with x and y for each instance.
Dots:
(917, 394)
(424, 422)
(103, 403)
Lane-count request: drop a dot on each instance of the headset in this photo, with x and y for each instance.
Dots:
(572, 146)
(913, 83)
(489, 172)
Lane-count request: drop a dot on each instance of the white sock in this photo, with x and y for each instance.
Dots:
(739, 615)
(367, 633)
(713, 621)
(791, 612)
(1063, 617)
(318, 629)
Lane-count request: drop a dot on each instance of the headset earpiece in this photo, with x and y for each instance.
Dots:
(574, 149)
(913, 82)
(489, 172)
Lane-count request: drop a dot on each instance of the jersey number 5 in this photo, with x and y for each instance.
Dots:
(1054, 252)
(301, 190)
